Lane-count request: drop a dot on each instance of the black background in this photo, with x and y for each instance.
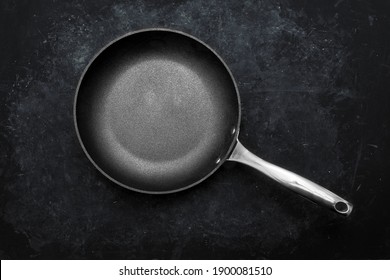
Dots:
(314, 82)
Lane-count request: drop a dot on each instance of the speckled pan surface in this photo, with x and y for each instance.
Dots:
(157, 111)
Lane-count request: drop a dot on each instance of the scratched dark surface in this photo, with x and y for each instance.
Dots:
(314, 79)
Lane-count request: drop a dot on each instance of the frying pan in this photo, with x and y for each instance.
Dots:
(158, 111)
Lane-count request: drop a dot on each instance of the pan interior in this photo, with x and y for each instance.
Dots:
(157, 111)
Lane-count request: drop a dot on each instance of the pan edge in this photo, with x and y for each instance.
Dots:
(232, 145)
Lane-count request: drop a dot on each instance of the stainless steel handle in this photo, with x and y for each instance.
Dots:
(292, 181)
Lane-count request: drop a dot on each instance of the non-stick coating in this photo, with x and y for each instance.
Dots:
(157, 111)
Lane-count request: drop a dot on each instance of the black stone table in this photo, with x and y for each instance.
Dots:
(314, 79)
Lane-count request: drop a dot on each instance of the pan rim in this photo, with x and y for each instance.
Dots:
(222, 160)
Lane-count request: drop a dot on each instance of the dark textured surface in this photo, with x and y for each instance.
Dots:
(157, 111)
(314, 83)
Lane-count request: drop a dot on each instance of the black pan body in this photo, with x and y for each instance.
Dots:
(157, 111)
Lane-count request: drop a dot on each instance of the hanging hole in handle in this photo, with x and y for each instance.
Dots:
(341, 207)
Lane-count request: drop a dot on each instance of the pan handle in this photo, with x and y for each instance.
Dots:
(292, 181)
